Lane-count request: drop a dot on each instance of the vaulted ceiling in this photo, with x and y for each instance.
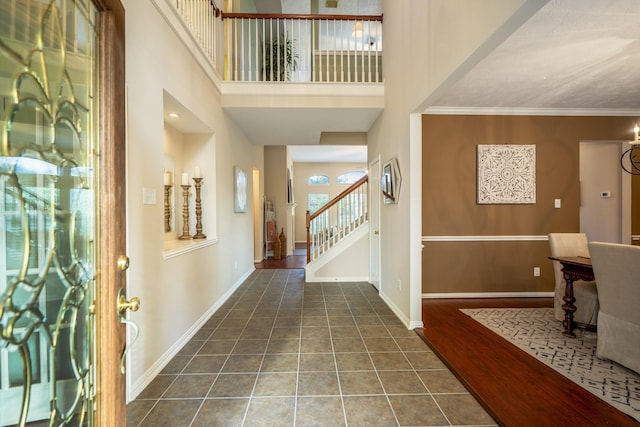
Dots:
(575, 55)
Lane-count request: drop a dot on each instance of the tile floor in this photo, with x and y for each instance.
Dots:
(282, 352)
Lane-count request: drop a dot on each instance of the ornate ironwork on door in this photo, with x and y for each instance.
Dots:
(48, 176)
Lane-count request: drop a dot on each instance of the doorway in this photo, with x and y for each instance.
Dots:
(258, 231)
(374, 223)
(605, 193)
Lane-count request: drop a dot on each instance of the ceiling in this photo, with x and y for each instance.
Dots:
(572, 54)
(328, 153)
(570, 57)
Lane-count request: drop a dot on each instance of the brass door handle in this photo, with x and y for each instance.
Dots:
(123, 305)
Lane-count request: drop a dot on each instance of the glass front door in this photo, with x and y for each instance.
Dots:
(48, 220)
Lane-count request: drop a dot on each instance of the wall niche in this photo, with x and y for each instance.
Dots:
(189, 152)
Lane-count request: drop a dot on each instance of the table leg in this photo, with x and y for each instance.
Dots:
(568, 307)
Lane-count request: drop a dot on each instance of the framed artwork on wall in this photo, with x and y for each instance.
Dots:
(506, 174)
(390, 181)
(239, 189)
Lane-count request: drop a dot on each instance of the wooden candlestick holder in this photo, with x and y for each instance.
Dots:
(199, 234)
(167, 209)
(185, 213)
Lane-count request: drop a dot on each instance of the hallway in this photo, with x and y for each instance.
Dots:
(281, 352)
(297, 260)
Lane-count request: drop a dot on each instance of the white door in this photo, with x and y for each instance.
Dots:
(374, 223)
(601, 191)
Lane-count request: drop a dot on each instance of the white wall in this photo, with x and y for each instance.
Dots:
(601, 216)
(347, 261)
(177, 294)
(427, 46)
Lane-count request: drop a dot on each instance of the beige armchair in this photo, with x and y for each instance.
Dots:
(617, 270)
(585, 293)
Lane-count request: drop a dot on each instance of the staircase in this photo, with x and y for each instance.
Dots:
(338, 229)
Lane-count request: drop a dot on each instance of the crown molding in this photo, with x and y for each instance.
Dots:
(518, 111)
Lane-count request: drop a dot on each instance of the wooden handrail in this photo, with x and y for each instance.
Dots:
(331, 203)
(340, 196)
(232, 15)
(216, 10)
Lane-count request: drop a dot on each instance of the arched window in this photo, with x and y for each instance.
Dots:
(318, 180)
(350, 177)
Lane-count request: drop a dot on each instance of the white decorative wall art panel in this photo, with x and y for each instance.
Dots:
(506, 174)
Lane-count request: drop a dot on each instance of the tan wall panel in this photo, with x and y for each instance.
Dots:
(486, 267)
(449, 196)
(635, 207)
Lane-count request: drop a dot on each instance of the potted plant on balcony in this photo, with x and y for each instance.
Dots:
(281, 59)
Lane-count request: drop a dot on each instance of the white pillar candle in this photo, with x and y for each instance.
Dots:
(185, 178)
(198, 173)
(167, 178)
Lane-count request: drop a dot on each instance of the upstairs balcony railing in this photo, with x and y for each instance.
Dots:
(204, 21)
(286, 48)
(303, 48)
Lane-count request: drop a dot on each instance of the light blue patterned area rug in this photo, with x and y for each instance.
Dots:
(537, 332)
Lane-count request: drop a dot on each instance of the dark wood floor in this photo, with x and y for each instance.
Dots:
(515, 388)
(292, 261)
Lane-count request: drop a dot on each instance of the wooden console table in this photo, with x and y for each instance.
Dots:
(573, 268)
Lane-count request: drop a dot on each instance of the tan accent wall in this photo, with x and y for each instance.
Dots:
(635, 207)
(450, 208)
(275, 182)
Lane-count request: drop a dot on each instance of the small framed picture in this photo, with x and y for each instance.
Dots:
(390, 181)
(239, 189)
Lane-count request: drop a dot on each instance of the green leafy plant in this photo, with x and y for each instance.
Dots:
(281, 59)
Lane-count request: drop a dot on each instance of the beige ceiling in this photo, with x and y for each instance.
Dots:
(573, 54)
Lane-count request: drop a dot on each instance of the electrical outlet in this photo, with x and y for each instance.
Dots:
(235, 265)
(557, 203)
(536, 271)
(399, 285)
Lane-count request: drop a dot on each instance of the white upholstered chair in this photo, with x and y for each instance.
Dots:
(585, 293)
(617, 270)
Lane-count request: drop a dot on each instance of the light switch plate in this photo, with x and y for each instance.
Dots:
(148, 196)
(558, 203)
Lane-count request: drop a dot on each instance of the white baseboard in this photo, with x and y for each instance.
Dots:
(133, 390)
(488, 295)
(416, 324)
(396, 310)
